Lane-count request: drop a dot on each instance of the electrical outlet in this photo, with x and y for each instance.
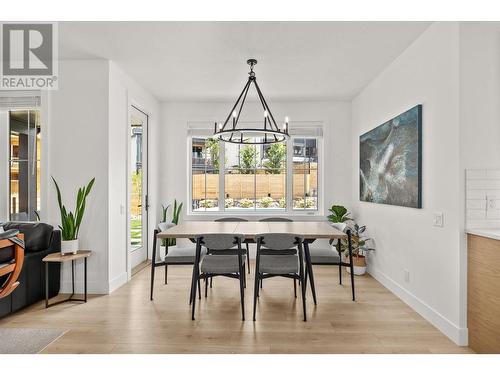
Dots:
(407, 276)
(492, 203)
(438, 219)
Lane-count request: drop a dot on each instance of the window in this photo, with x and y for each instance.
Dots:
(205, 174)
(255, 178)
(305, 173)
(20, 128)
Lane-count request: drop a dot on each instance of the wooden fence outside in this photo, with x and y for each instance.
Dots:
(242, 185)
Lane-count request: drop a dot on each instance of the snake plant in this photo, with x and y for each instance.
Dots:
(70, 222)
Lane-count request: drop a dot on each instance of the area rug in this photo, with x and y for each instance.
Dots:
(27, 340)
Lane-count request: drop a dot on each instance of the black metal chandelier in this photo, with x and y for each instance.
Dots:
(269, 133)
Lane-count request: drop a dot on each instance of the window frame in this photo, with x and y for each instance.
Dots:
(288, 211)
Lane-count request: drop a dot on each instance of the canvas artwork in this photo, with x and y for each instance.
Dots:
(390, 161)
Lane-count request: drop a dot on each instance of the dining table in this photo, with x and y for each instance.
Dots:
(309, 230)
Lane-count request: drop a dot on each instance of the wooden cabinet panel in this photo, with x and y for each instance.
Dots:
(483, 294)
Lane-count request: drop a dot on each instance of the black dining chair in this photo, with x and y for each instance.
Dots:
(226, 258)
(240, 220)
(279, 263)
(275, 219)
(173, 257)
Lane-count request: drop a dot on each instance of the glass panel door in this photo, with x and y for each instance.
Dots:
(24, 164)
(138, 188)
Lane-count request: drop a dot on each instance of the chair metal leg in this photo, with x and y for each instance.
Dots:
(351, 264)
(261, 283)
(295, 287)
(153, 266)
(242, 292)
(304, 288)
(248, 257)
(305, 277)
(206, 286)
(193, 295)
(304, 297)
(339, 247)
(211, 282)
(255, 292)
(166, 274)
(152, 280)
(193, 281)
(199, 289)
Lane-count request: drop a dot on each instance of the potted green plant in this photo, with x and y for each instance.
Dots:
(170, 242)
(70, 222)
(338, 214)
(359, 243)
(359, 246)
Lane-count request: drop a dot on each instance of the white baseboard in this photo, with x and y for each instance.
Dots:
(118, 282)
(94, 287)
(458, 335)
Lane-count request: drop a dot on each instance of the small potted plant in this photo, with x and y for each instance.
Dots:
(70, 222)
(359, 243)
(338, 214)
(170, 242)
(360, 248)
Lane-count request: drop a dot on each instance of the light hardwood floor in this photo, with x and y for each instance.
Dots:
(127, 322)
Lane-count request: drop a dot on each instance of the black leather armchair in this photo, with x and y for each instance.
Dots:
(40, 240)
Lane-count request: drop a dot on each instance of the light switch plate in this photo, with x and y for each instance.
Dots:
(438, 219)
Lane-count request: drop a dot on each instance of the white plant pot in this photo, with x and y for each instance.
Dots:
(69, 247)
(358, 271)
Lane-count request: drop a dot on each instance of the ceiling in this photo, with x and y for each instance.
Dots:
(206, 61)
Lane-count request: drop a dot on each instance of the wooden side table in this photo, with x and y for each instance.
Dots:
(58, 257)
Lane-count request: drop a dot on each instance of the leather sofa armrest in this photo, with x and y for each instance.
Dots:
(55, 241)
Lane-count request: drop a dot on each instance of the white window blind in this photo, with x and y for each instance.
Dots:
(13, 101)
(297, 128)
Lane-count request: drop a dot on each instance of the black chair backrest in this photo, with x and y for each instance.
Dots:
(278, 241)
(270, 219)
(220, 241)
(238, 219)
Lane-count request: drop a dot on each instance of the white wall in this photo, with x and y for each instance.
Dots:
(124, 92)
(480, 94)
(335, 117)
(86, 134)
(426, 73)
(77, 144)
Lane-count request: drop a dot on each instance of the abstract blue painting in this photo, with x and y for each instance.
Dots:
(390, 161)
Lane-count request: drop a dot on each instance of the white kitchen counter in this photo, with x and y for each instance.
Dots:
(489, 233)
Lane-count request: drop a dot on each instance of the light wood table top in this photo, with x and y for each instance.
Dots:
(307, 229)
(58, 257)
